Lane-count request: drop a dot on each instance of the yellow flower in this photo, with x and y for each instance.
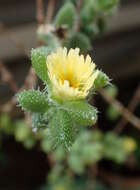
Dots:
(71, 75)
(130, 144)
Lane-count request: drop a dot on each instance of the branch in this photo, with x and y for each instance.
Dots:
(50, 11)
(132, 105)
(123, 111)
(40, 12)
(77, 22)
(8, 107)
(30, 82)
(7, 77)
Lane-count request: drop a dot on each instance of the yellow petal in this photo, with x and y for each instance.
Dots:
(71, 74)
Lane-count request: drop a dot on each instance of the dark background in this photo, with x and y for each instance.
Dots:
(117, 52)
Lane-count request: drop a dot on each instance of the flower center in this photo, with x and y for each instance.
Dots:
(71, 79)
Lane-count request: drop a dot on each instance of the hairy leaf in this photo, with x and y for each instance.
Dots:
(38, 57)
(81, 112)
(62, 129)
(33, 100)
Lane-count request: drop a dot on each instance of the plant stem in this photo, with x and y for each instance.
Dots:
(132, 105)
(77, 22)
(7, 77)
(123, 111)
(40, 12)
(50, 11)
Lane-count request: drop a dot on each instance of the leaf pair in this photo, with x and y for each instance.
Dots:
(63, 120)
(68, 119)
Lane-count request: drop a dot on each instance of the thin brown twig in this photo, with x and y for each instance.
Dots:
(77, 22)
(7, 77)
(30, 79)
(132, 105)
(123, 111)
(50, 11)
(40, 12)
(8, 107)
(30, 82)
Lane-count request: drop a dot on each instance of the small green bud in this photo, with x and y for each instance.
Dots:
(101, 81)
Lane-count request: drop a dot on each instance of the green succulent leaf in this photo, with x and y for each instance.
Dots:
(91, 30)
(33, 100)
(38, 57)
(79, 40)
(22, 132)
(76, 164)
(108, 4)
(62, 129)
(50, 40)
(66, 16)
(101, 24)
(39, 121)
(101, 81)
(113, 148)
(112, 113)
(81, 112)
(112, 91)
(88, 13)
(91, 151)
